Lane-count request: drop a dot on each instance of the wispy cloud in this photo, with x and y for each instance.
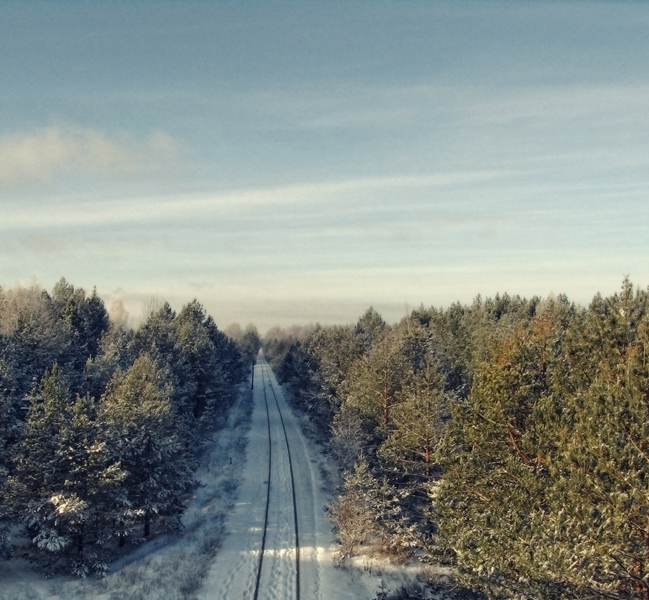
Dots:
(341, 106)
(617, 104)
(184, 207)
(39, 156)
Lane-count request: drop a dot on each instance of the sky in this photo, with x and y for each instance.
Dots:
(296, 162)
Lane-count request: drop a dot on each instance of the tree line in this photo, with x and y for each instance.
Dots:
(508, 438)
(101, 426)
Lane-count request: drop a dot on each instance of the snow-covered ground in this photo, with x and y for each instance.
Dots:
(217, 555)
(233, 573)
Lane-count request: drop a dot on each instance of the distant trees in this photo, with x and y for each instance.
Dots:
(248, 342)
(99, 425)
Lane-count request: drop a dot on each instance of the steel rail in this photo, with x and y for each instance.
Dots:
(270, 459)
(290, 464)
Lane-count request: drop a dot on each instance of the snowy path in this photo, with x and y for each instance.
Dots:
(233, 574)
(237, 565)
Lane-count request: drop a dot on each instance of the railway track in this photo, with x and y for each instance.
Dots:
(265, 569)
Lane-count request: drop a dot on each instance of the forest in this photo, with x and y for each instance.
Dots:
(101, 425)
(508, 439)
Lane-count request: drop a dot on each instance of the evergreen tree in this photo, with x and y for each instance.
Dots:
(369, 512)
(204, 371)
(113, 354)
(10, 430)
(596, 527)
(37, 337)
(418, 423)
(145, 436)
(85, 317)
(249, 345)
(374, 383)
(370, 327)
(496, 479)
(158, 338)
(545, 492)
(70, 484)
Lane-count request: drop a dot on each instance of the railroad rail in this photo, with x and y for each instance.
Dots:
(265, 378)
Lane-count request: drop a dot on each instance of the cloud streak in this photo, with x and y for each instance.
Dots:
(43, 155)
(187, 207)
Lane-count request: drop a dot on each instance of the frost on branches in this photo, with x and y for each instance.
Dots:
(99, 425)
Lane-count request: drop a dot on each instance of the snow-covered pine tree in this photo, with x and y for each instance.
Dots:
(10, 427)
(374, 383)
(113, 354)
(368, 511)
(495, 476)
(143, 433)
(64, 486)
(545, 491)
(85, 317)
(418, 423)
(595, 531)
(370, 328)
(204, 371)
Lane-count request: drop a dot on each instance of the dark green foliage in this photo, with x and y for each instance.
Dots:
(379, 395)
(545, 488)
(144, 436)
(200, 363)
(67, 480)
(99, 426)
(515, 431)
(113, 354)
(370, 328)
(86, 317)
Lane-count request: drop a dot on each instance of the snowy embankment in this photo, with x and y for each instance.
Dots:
(217, 555)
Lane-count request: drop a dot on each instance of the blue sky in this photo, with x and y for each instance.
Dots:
(291, 162)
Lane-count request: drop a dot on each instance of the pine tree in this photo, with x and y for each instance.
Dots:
(204, 371)
(374, 383)
(85, 317)
(368, 511)
(145, 436)
(596, 527)
(418, 423)
(67, 479)
(545, 490)
(10, 429)
(496, 481)
(370, 328)
(113, 354)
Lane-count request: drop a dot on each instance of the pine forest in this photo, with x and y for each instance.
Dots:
(507, 439)
(100, 426)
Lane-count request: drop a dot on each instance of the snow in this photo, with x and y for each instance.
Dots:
(217, 555)
(234, 571)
